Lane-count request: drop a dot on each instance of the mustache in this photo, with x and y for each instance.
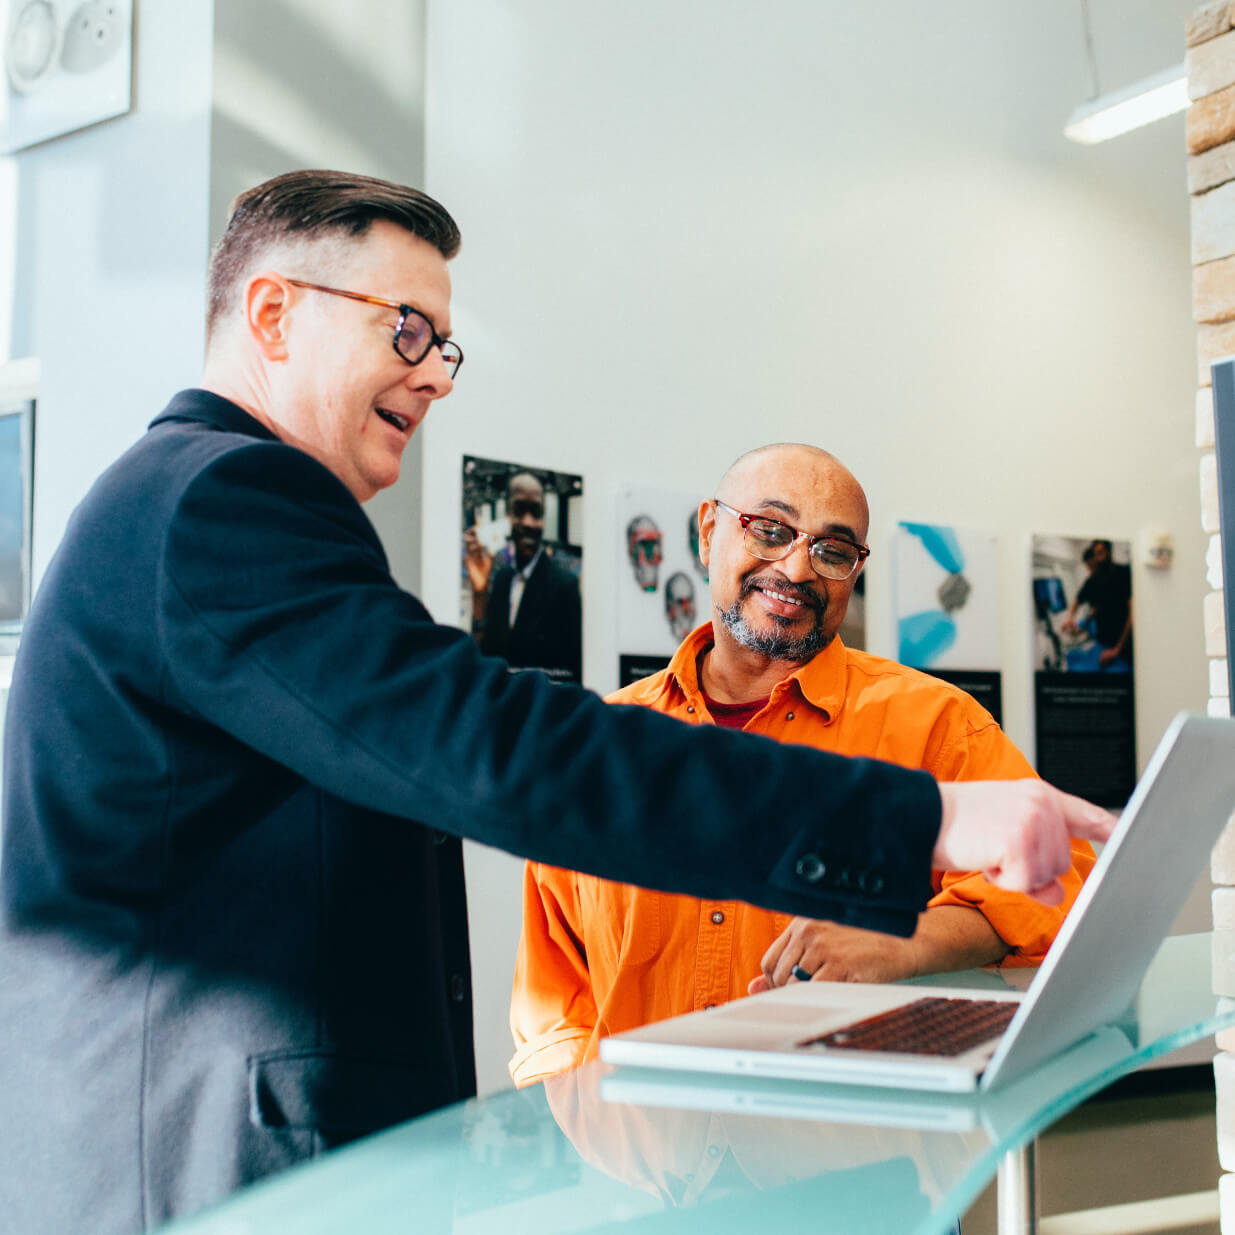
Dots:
(778, 583)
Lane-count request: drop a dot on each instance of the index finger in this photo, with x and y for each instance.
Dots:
(1084, 819)
(773, 955)
(1049, 893)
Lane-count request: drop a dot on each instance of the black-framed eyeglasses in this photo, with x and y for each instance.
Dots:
(414, 333)
(833, 557)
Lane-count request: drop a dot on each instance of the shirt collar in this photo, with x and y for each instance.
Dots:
(821, 681)
(211, 409)
(526, 571)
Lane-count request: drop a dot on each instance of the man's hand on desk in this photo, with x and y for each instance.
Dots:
(1016, 832)
(948, 937)
(834, 953)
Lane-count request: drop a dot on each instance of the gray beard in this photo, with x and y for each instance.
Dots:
(774, 644)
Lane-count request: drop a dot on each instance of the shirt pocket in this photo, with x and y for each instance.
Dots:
(622, 923)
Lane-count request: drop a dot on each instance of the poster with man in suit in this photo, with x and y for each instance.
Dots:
(521, 566)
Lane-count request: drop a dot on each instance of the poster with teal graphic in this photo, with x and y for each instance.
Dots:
(946, 604)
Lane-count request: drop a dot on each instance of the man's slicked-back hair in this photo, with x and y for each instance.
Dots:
(308, 204)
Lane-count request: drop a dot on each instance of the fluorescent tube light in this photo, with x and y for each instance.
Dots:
(1163, 94)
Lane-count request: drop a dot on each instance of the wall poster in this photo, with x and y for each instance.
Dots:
(662, 584)
(520, 565)
(947, 607)
(1084, 701)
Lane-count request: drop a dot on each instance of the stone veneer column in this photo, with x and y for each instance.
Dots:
(1211, 183)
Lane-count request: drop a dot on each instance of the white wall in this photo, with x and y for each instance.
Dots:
(314, 83)
(111, 226)
(690, 229)
(115, 223)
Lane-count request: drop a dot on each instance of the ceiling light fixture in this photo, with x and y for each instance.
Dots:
(1161, 95)
(1109, 115)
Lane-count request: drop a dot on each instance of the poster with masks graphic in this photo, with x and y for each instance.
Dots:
(1084, 697)
(663, 584)
(520, 563)
(946, 604)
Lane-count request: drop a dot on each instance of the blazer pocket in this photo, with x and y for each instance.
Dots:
(339, 1096)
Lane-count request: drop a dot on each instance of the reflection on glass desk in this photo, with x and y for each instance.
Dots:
(605, 1148)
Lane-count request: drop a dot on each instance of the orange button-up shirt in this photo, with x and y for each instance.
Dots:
(597, 957)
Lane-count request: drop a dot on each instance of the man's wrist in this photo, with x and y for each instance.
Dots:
(917, 962)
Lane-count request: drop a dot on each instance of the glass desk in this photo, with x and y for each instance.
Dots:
(605, 1149)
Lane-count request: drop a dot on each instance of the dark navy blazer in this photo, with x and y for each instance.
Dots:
(237, 762)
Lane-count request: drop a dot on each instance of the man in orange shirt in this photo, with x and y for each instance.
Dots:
(783, 542)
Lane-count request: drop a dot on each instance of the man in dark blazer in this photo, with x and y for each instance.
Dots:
(528, 609)
(238, 759)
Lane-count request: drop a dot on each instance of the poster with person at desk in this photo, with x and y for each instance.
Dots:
(1084, 675)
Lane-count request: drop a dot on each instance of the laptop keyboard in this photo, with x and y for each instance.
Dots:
(932, 1026)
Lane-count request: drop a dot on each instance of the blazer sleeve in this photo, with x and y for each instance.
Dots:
(552, 1010)
(279, 623)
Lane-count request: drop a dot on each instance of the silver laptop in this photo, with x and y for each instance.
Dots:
(999, 1113)
(836, 1032)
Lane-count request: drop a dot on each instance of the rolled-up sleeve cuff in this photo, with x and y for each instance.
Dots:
(549, 1055)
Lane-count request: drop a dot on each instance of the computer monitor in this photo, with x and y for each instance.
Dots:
(16, 510)
(1223, 375)
(1048, 595)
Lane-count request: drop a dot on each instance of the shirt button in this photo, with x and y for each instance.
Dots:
(708, 1006)
(458, 988)
(788, 715)
(810, 867)
(717, 917)
(713, 1151)
(690, 707)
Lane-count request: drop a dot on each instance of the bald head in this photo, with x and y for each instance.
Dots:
(524, 482)
(783, 473)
